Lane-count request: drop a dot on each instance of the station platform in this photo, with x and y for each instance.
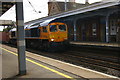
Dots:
(44, 68)
(96, 44)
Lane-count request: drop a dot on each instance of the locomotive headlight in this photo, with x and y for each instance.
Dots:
(65, 38)
(52, 39)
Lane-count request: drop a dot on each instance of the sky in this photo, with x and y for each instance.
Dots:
(29, 11)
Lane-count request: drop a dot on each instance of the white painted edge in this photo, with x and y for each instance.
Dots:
(109, 45)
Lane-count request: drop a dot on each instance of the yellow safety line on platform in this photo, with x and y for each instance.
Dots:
(64, 75)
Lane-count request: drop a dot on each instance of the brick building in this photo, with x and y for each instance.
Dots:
(56, 7)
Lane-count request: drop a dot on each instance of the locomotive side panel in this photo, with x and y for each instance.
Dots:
(44, 33)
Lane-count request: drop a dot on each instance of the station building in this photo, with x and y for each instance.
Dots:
(94, 25)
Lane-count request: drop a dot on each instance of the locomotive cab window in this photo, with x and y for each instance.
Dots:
(53, 28)
(62, 27)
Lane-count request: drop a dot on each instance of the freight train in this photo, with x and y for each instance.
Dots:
(4, 37)
(47, 35)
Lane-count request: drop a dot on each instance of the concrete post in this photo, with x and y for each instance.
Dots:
(107, 28)
(1, 8)
(103, 28)
(20, 38)
(107, 23)
(0, 46)
(118, 32)
(75, 29)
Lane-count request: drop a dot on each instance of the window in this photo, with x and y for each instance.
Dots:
(35, 32)
(94, 28)
(62, 27)
(44, 29)
(113, 27)
(53, 28)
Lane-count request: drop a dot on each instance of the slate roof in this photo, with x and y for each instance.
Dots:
(70, 5)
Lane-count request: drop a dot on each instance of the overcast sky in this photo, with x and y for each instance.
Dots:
(29, 13)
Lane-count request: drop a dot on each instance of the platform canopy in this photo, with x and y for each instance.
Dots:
(5, 6)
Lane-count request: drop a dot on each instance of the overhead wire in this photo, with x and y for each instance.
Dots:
(33, 7)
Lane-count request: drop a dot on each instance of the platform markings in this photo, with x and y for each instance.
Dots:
(50, 69)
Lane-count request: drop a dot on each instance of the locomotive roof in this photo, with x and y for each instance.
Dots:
(45, 23)
(34, 26)
(14, 29)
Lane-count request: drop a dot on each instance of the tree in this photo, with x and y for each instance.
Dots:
(7, 29)
(10, 27)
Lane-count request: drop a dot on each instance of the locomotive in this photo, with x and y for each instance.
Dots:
(47, 35)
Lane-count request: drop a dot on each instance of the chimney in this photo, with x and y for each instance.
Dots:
(51, 0)
(71, 0)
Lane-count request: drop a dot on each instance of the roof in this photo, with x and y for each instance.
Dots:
(70, 5)
(92, 7)
(5, 6)
(39, 24)
(45, 23)
(6, 22)
(58, 7)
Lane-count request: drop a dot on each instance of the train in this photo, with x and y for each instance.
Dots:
(4, 37)
(49, 35)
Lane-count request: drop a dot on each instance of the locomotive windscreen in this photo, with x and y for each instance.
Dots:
(62, 27)
(53, 28)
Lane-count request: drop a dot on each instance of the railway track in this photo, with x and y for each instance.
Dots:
(104, 63)
(98, 61)
(93, 56)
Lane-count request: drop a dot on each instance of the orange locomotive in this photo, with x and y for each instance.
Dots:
(47, 35)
